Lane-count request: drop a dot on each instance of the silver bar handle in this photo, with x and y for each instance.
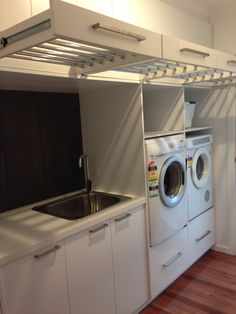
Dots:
(123, 217)
(55, 248)
(198, 52)
(203, 236)
(98, 228)
(172, 260)
(117, 30)
(231, 62)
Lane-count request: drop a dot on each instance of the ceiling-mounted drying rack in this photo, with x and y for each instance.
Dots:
(88, 43)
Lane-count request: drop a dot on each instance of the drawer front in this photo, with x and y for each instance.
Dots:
(168, 260)
(226, 61)
(105, 31)
(183, 51)
(201, 234)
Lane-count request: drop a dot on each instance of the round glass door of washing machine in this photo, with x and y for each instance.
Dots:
(201, 167)
(172, 181)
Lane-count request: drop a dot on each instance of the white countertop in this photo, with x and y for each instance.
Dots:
(22, 231)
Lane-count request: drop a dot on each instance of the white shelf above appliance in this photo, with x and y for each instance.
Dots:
(148, 135)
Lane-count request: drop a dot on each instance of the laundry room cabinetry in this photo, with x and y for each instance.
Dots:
(36, 283)
(226, 61)
(118, 247)
(175, 49)
(168, 260)
(90, 271)
(128, 233)
(201, 234)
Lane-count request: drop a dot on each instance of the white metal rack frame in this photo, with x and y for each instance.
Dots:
(180, 73)
(89, 43)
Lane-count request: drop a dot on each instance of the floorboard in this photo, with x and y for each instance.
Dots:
(208, 286)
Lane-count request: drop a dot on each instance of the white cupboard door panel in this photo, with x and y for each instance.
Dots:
(99, 29)
(90, 271)
(201, 234)
(130, 260)
(13, 12)
(39, 6)
(226, 61)
(36, 284)
(168, 260)
(175, 49)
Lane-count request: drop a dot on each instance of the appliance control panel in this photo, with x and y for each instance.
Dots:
(165, 145)
(198, 141)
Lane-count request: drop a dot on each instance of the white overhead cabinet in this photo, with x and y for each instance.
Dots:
(226, 61)
(175, 49)
(101, 43)
(36, 283)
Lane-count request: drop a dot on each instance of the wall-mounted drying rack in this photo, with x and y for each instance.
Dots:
(88, 42)
(179, 73)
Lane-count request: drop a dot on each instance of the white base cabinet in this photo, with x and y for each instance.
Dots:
(36, 284)
(101, 270)
(130, 261)
(90, 271)
(107, 266)
(201, 234)
(168, 260)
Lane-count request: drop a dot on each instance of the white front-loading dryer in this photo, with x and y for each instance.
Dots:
(166, 186)
(199, 174)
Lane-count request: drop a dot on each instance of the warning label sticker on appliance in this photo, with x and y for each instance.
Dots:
(153, 188)
(152, 170)
(189, 162)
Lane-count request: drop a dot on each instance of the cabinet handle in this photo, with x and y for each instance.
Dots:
(98, 228)
(201, 53)
(231, 62)
(55, 248)
(203, 236)
(123, 217)
(118, 31)
(172, 260)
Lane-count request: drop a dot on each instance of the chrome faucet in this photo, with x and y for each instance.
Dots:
(88, 182)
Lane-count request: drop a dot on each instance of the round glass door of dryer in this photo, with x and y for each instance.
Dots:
(201, 167)
(172, 181)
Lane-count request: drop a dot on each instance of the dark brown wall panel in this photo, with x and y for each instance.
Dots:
(40, 142)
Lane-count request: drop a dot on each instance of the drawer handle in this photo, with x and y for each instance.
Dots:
(172, 260)
(123, 217)
(201, 53)
(118, 31)
(98, 228)
(231, 62)
(203, 236)
(55, 248)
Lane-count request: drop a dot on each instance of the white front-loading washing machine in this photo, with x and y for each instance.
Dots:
(199, 174)
(166, 186)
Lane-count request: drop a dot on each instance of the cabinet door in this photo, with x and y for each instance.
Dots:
(226, 61)
(36, 284)
(10, 16)
(130, 260)
(90, 271)
(175, 49)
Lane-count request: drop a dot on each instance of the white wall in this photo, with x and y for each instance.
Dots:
(156, 15)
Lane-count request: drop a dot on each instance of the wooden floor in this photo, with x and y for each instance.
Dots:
(209, 286)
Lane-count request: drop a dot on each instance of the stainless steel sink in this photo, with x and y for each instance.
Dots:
(80, 205)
